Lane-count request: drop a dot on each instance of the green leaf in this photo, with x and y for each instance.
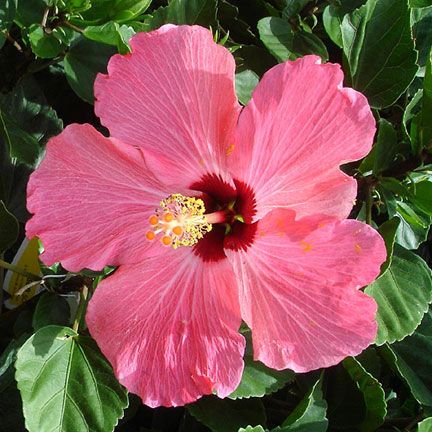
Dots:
(126, 10)
(259, 380)
(310, 414)
(285, 43)
(11, 419)
(7, 13)
(84, 396)
(409, 119)
(51, 309)
(373, 393)
(202, 12)
(111, 33)
(384, 151)
(388, 232)
(378, 46)
(413, 361)
(225, 415)
(425, 425)
(421, 20)
(423, 196)
(420, 3)
(245, 82)
(9, 228)
(44, 45)
(403, 294)
(26, 122)
(426, 111)
(83, 62)
(29, 12)
(332, 24)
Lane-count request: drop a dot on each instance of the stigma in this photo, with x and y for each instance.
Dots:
(180, 221)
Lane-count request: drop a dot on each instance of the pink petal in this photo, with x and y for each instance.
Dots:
(174, 97)
(91, 198)
(299, 293)
(169, 327)
(299, 127)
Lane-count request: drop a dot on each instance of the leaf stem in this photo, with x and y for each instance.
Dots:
(12, 40)
(81, 308)
(19, 270)
(72, 26)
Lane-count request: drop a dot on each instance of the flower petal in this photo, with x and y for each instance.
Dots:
(169, 327)
(299, 127)
(298, 286)
(174, 97)
(91, 198)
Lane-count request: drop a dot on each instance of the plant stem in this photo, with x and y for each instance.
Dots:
(19, 270)
(72, 26)
(81, 308)
(12, 40)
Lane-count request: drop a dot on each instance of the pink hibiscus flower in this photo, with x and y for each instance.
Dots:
(213, 214)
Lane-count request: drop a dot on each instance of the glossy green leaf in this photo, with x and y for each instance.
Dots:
(225, 415)
(332, 24)
(384, 151)
(29, 12)
(414, 362)
(44, 45)
(373, 394)
(425, 425)
(202, 12)
(111, 33)
(245, 82)
(126, 10)
(66, 384)
(420, 3)
(7, 14)
(51, 309)
(378, 46)
(388, 232)
(26, 122)
(423, 196)
(285, 43)
(426, 110)
(9, 228)
(310, 414)
(83, 62)
(259, 380)
(421, 20)
(403, 294)
(11, 418)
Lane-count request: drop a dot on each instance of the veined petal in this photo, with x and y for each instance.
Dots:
(169, 327)
(299, 294)
(91, 197)
(298, 128)
(174, 97)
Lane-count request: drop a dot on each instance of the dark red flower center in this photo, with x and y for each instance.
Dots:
(238, 203)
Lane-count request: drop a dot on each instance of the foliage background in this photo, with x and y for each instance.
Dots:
(50, 369)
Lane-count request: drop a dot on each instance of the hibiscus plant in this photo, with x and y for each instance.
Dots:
(214, 215)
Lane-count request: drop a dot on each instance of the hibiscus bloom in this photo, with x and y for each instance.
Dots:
(213, 214)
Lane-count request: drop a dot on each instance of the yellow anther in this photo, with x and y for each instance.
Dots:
(150, 235)
(177, 230)
(168, 217)
(180, 220)
(154, 220)
(166, 240)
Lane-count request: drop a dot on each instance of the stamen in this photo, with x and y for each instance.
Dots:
(181, 221)
(150, 235)
(153, 219)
